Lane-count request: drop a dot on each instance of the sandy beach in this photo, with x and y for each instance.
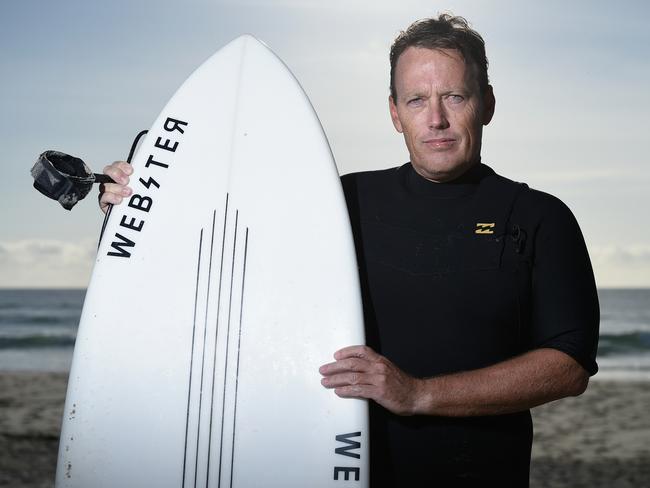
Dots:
(600, 439)
(31, 407)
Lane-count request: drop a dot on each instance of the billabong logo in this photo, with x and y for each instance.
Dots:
(484, 228)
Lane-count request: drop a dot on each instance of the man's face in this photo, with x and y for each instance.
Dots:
(440, 111)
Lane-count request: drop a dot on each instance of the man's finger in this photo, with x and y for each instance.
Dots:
(347, 379)
(117, 189)
(356, 391)
(362, 352)
(351, 364)
(122, 166)
(119, 171)
(110, 199)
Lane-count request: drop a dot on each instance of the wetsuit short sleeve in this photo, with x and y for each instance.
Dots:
(565, 311)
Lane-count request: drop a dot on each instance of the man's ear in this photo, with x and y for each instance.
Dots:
(489, 104)
(393, 114)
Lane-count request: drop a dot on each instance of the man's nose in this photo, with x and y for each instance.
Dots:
(437, 117)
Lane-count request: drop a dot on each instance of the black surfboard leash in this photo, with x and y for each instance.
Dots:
(67, 179)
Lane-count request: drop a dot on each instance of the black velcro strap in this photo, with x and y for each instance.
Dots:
(64, 178)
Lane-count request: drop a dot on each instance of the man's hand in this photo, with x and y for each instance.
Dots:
(359, 372)
(536, 377)
(114, 193)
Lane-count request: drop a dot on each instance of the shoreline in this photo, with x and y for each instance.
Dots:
(599, 439)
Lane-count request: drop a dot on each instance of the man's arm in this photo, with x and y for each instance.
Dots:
(517, 384)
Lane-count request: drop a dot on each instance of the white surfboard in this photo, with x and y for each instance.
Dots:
(219, 288)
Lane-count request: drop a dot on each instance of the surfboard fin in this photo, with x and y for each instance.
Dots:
(64, 178)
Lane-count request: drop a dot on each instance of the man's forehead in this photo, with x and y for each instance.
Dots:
(427, 54)
(420, 57)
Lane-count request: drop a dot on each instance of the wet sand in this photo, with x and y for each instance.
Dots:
(600, 439)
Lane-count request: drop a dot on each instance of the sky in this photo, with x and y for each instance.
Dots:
(571, 81)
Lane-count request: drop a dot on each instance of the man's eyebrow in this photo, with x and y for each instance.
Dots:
(416, 94)
(456, 91)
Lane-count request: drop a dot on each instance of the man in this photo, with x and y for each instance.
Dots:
(479, 297)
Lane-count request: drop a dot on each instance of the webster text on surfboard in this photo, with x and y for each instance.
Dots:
(143, 202)
(347, 450)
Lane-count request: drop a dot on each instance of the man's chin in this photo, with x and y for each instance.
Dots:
(441, 172)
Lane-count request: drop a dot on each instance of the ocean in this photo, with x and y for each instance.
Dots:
(38, 328)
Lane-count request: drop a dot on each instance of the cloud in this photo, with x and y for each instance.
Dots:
(621, 266)
(32, 263)
(633, 255)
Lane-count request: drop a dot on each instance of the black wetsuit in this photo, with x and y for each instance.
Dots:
(459, 276)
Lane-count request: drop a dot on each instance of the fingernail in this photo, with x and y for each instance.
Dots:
(126, 191)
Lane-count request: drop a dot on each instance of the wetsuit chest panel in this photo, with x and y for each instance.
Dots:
(433, 249)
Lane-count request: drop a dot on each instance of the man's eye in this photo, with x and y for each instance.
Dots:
(415, 101)
(455, 98)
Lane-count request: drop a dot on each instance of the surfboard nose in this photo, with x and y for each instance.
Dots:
(248, 41)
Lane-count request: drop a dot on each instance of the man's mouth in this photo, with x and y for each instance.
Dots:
(440, 142)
